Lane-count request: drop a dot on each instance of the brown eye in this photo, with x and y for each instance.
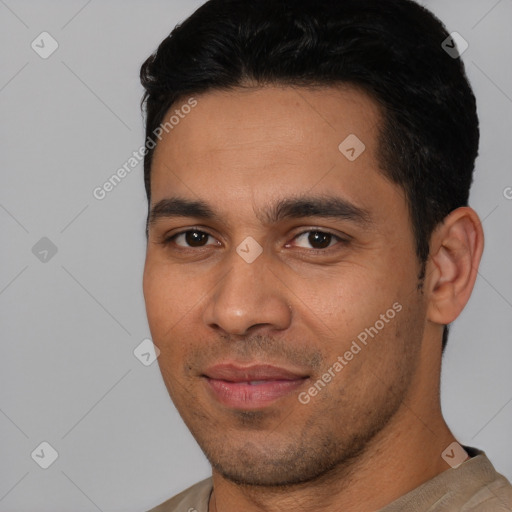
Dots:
(191, 238)
(317, 239)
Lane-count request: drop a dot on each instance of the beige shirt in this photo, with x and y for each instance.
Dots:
(474, 486)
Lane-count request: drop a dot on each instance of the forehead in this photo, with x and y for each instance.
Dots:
(263, 142)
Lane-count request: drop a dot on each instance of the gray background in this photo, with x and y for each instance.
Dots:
(69, 324)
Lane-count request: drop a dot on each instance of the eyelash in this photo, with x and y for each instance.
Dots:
(343, 241)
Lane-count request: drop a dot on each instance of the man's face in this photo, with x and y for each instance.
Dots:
(330, 302)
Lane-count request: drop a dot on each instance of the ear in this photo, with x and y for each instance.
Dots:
(456, 249)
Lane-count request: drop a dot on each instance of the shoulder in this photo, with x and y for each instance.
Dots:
(193, 499)
(495, 496)
(473, 486)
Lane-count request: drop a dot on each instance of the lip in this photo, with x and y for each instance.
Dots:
(234, 373)
(230, 384)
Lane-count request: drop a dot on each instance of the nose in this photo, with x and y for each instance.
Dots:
(248, 297)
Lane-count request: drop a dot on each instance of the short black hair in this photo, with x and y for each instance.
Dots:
(390, 49)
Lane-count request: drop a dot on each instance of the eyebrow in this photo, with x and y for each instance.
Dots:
(329, 207)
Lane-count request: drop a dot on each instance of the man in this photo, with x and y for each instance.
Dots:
(309, 241)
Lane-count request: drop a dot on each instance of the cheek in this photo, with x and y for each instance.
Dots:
(154, 295)
(355, 311)
(347, 297)
(162, 310)
(164, 297)
(172, 298)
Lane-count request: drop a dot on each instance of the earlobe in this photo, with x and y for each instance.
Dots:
(456, 249)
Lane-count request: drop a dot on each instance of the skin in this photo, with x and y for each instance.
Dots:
(375, 431)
